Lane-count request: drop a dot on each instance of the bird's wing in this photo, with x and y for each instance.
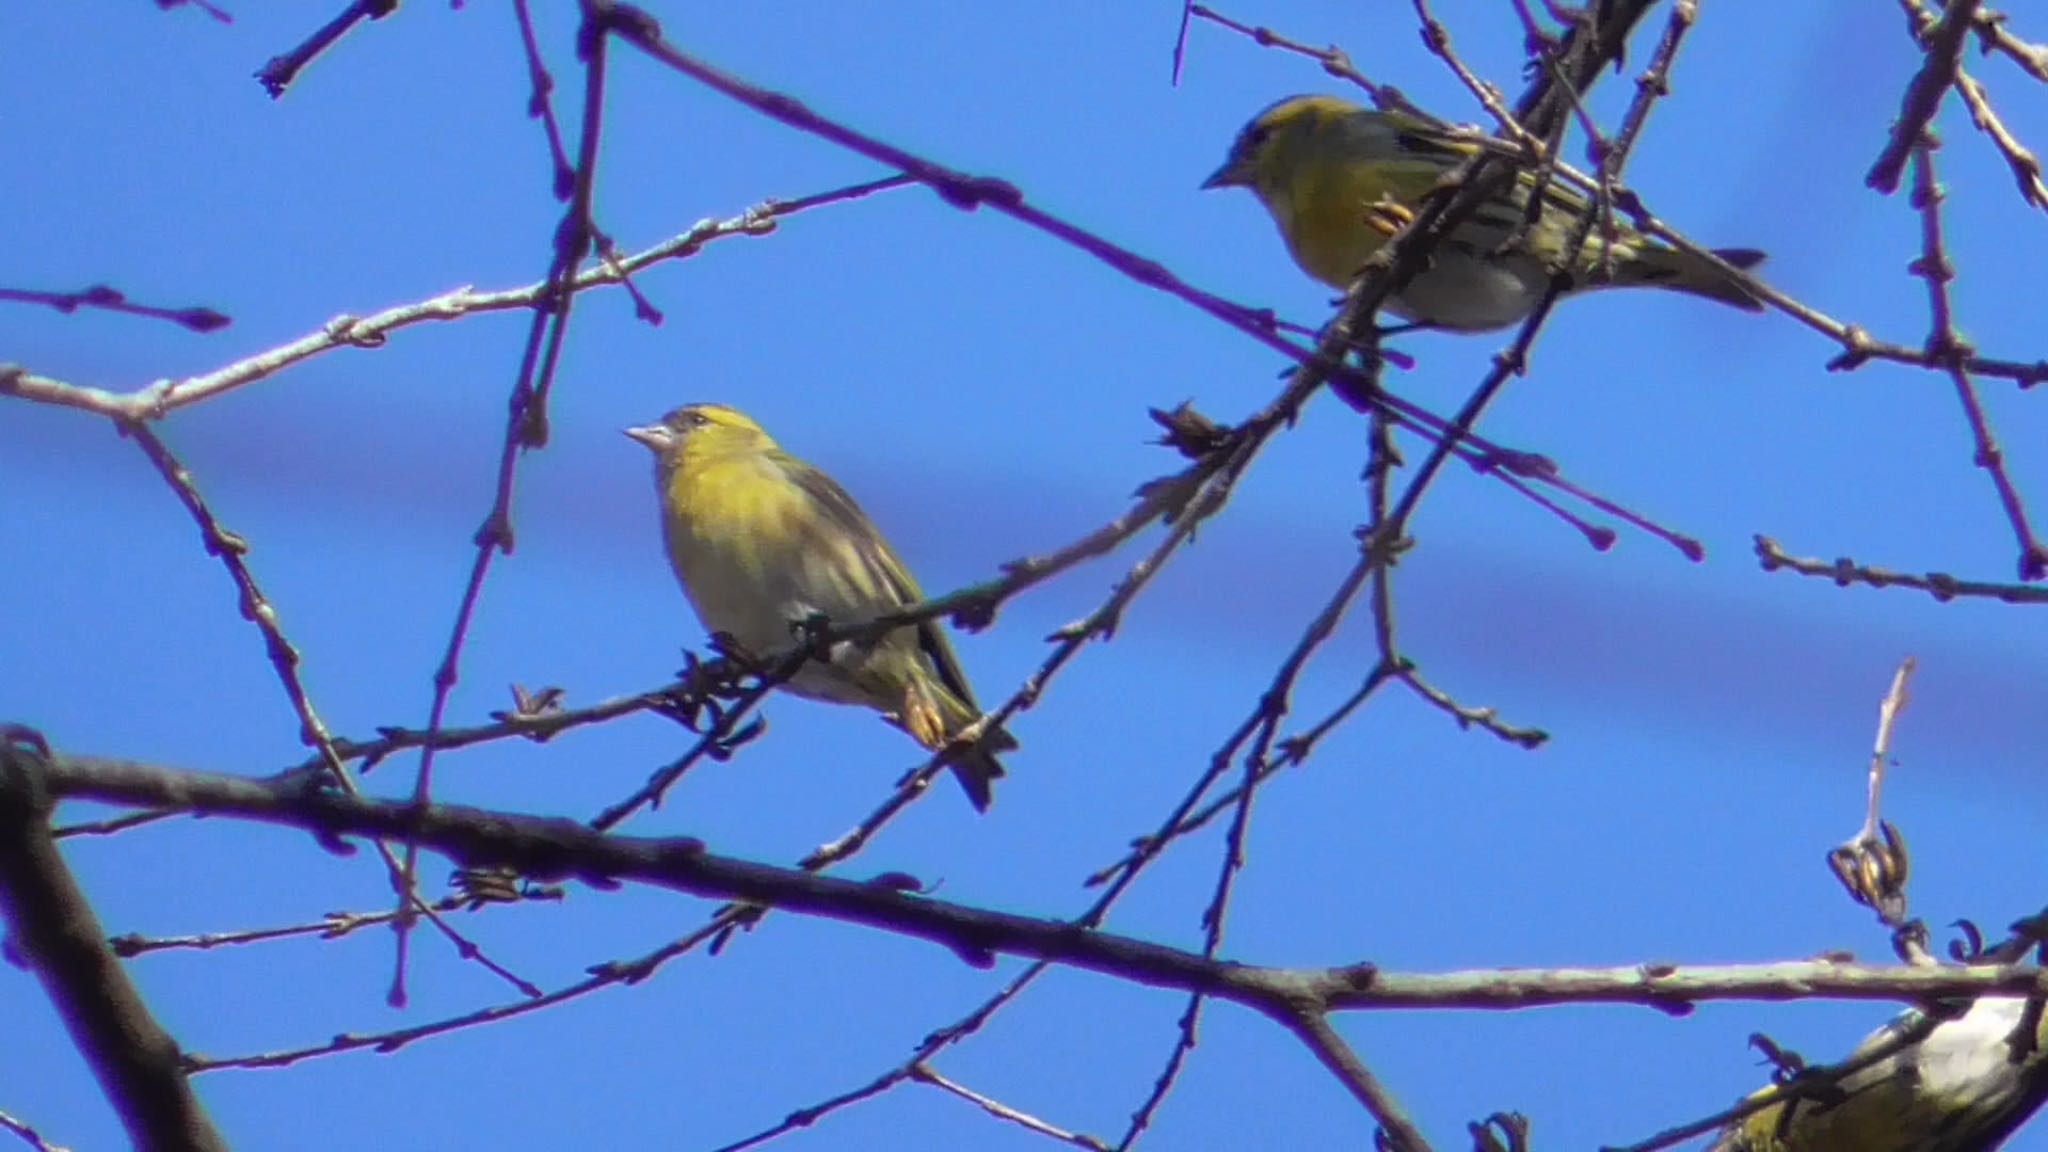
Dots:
(886, 569)
(1435, 143)
(1421, 139)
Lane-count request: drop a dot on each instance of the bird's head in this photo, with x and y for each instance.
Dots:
(1259, 156)
(701, 431)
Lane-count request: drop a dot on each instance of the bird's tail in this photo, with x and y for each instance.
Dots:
(977, 768)
(936, 718)
(1685, 272)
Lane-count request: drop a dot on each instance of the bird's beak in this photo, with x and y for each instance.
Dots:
(657, 437)
(1228, 176)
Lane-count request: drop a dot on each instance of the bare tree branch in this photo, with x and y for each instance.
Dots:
(53, 932)
(558, 849)
(278, 73)
(108, 299)
(1939, 585)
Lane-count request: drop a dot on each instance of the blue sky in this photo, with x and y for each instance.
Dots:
(981, 389)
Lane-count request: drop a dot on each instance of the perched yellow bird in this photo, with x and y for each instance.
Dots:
(1959, 1090)
(763, 542)
(1339, 180)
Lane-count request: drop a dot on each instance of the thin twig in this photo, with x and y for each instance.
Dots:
(219, 14)
(1888, 712)
(109, 299)
(1939, 585)
(2026, 167)
(278, 74)
(1943, 48)
(1992, 36)
(52, 929)
(1333, 59)
(232, 549)
(1946, 347)
(1314, 1030)
(926, 1074)
(526, 421)
(166, 396)
(29, 1135)
(1401, 257)
(540, 104)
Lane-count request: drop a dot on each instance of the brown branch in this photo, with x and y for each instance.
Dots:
(1333, 59)
(1858, 346)
(1943, 45)
(1993, 37)
(108, 299)
(1939, 585)
(28, 1134)
(52, 928)
(1437, 39)
(925, 1074)
(1946, 346)
(232, 550)
(278, 74)
(332, 926)
(1262, 727)
(526, 421)
(2025, 166)
(1315, 1031)
(166, 396)
(219, 14)
(1199, 500)
(1589, 49)
(553, 848)
(1990, 29)
(540, 104)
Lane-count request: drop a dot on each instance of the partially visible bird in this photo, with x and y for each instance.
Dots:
(763, 542)
(1961, 1089)
(1339, 180)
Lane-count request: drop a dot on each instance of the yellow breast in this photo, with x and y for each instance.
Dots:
(1326, 206)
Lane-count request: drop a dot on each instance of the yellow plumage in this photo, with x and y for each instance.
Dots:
(1959, 1090)
(1339, 180)
(762, 541)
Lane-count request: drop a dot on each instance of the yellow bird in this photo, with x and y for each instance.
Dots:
(762, 542)
(1340, 179)
(1959, 1090)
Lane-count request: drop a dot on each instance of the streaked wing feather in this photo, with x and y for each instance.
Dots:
(1434, 145)
(885, 568)
(1421, 139)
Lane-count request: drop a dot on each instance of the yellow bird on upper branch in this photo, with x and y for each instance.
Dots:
(1339, 180)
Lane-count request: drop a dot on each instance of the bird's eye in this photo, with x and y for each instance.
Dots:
(696, 419)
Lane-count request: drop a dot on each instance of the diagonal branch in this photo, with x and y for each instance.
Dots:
(1943, 44)
(555, 848)
(277, 74)
(166, 396)
(53, 930)
(114, 300)
(1315, 1031)
(1940, 585)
